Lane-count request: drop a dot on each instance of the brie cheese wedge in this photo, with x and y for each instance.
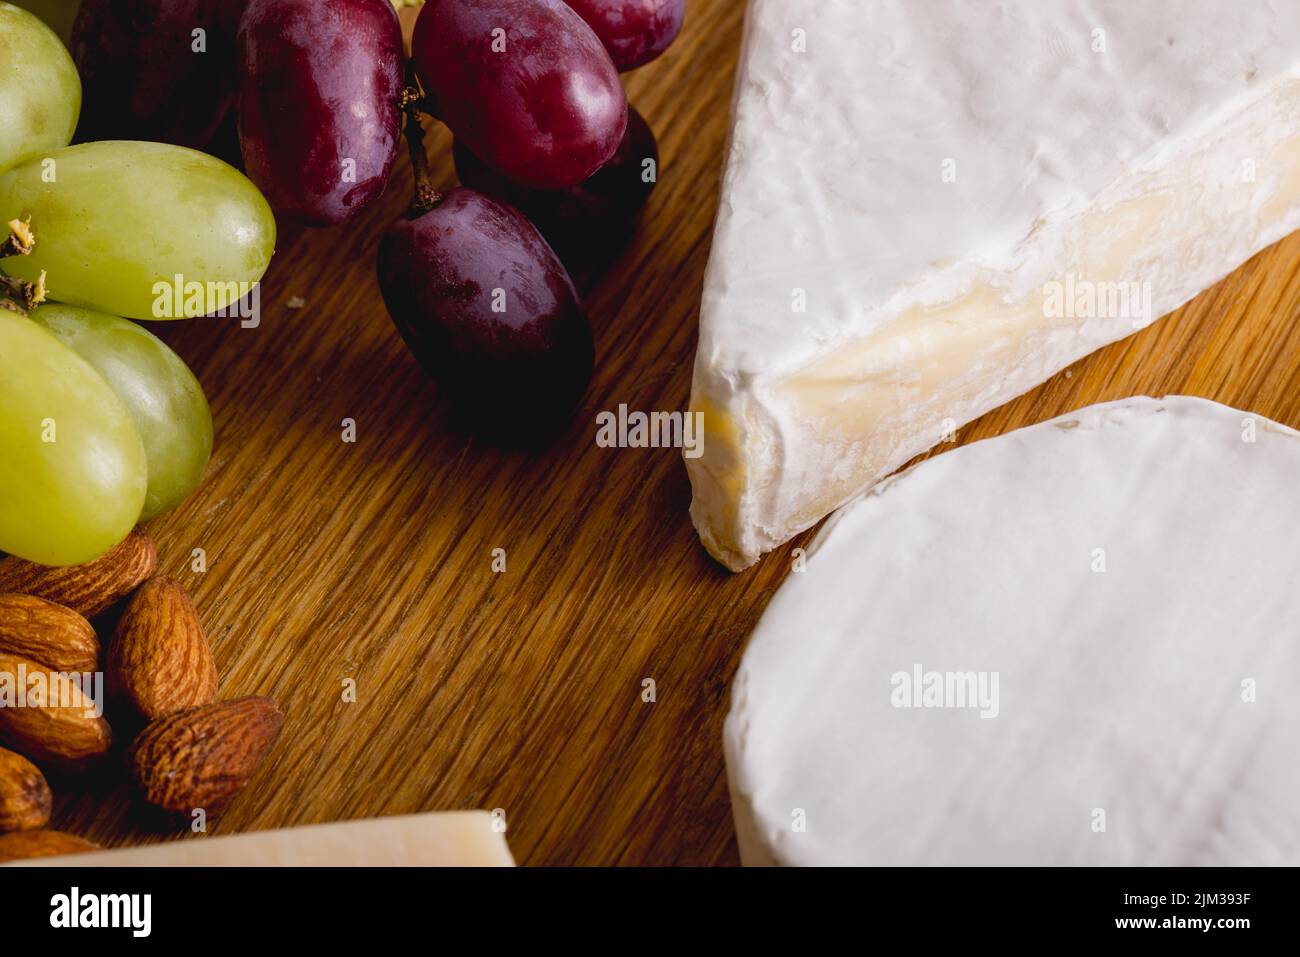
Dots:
(930, 208)
(1074, 644)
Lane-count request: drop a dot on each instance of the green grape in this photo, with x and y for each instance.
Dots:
(40, 92)
(165, 401)
(58, 14)
(143, 230)
(72, 466)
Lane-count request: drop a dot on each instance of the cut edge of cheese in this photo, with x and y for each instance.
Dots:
(795, 429)
(440, 839)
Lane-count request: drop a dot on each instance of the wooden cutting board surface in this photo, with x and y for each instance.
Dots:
(373, 560)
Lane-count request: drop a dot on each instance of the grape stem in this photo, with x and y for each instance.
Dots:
(426, 195)
(19, 296)
(22, 296)
(20, 240)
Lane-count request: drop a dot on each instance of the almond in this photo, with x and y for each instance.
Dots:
(25, 798)
(203, 757)
(159, 660)
(24, 845)
(89, 589)
(34, 628)
(46, 716)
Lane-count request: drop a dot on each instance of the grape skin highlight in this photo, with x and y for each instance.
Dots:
(123, 219)
(73, 471)
(525, 84)
(164, 400)
(490, 312)
(40, 92)
(319, 103)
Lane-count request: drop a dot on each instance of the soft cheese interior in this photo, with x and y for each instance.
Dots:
(1084, 655)
(930, 208)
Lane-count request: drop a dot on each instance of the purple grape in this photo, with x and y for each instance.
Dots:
(320, 103)
(141, 76)
(633, 31)
(489, 311)
(584, 220)
(525, 84)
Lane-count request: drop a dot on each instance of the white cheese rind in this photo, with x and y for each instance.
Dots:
(1131, 574)
(1165, 160)
(444, 839)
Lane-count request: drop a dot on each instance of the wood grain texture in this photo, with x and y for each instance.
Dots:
(522, 691)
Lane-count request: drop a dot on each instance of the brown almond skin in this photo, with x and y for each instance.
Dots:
(38, 629)
(26, 845)
(159, 660)
(203, 757)
(63, 737)
(89, 589)
(25, 798)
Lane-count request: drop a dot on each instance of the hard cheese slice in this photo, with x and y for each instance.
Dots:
(447, 839)
(1073, 644)
(929, 208)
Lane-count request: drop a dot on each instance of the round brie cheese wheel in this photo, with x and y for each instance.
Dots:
(1074, 644)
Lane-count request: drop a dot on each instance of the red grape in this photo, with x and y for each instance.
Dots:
(141, 76)
(590, 218)
(525, 84)
(488, 310)
(633, 31)
(320, 103)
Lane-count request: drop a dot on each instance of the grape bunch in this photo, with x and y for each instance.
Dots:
(554, 164)
(101, 424)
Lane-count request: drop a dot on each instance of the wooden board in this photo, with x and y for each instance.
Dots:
(372, 561)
